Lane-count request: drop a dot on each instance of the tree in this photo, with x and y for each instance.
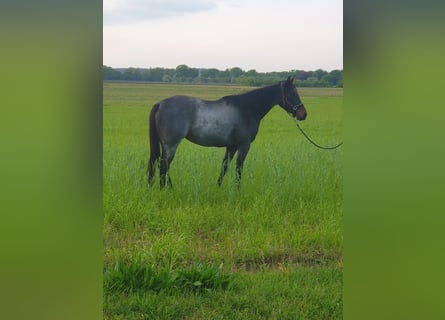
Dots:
(245, 80)
(132, 74)
(251, 73)
(111, 74)
(157, 74)
(301, 75)
(319, 73)
(185, 74)
(166, 78)
(224, 76)
(235, 73)
(209, 75)
(336, 78)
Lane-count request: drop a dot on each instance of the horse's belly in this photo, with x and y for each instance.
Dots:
(214, 125)
(213, 129)
(210, 135)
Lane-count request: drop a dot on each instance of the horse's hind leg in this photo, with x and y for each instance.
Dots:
(151, 170)
(168, 153)
(230, 152)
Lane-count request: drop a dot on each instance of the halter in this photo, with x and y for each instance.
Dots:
(294, 106)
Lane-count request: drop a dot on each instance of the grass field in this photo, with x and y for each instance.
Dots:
(271, 249)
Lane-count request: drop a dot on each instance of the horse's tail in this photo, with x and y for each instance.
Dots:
(155, 151)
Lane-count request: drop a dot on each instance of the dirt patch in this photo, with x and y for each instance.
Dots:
(284, 260)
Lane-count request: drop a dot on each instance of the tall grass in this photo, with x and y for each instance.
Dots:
(283, 223)
(133, 276)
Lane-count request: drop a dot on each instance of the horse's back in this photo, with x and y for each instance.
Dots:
(175, 116)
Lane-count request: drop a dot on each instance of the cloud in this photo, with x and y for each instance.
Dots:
(251, 34)
(128, 11)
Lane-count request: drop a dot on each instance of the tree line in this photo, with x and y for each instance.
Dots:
(186, 74)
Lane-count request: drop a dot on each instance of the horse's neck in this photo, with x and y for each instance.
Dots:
(266, 101)
(257, 103)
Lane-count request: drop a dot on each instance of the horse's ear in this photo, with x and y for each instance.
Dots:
(290, 80)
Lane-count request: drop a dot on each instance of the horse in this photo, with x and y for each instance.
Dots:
(231, 122)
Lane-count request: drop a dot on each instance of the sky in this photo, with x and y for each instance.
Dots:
(265, 35)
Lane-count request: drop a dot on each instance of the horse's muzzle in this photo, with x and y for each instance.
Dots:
(300, 113)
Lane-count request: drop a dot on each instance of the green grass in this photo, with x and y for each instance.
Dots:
(138, 276)
(271, 249)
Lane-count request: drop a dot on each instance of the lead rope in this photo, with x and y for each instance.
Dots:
(298, 126)
(311, 141)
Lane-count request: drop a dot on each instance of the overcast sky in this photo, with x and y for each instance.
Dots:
(265, 35)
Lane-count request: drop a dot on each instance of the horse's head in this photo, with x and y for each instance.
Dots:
(290, 100)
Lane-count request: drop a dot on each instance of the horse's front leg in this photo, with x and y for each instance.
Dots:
(242, 153)
(230, 152)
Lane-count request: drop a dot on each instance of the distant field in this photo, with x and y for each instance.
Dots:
(271, 249)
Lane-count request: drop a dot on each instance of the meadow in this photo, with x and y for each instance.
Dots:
(270, 249)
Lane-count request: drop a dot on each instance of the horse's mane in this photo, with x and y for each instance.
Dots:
(254, 96)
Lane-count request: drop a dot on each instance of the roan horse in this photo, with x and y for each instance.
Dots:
(230, 122)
